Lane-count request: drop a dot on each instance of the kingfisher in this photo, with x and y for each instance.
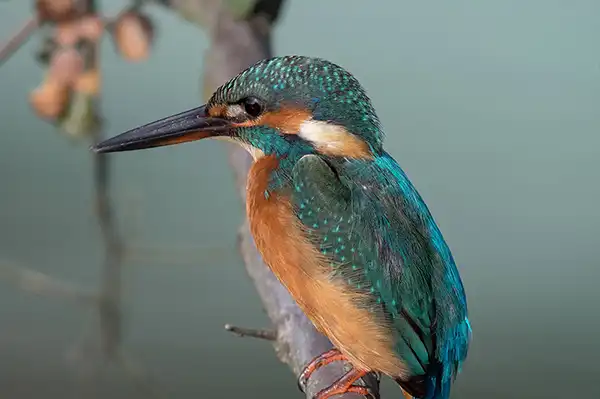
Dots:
(337, 221)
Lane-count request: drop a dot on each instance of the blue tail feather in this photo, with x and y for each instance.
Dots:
(440, 375)
(430, 386)
(438, 386)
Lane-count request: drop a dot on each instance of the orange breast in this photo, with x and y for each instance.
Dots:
(334, 310)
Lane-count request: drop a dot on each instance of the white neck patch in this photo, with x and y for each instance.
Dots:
(332, 139)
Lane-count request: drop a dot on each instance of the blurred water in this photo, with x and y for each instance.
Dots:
(492, 108)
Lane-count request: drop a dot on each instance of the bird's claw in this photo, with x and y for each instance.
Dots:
(358, 389)
(347, 383)
(318, 362)
(302, 384)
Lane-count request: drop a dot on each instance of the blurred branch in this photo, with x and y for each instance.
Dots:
(44, 285)
(110, 290)
(18, 39)
(236, 44)
(104, 344)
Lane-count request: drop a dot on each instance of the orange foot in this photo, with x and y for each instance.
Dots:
(323, 359)
(347, 384)
(343, 385)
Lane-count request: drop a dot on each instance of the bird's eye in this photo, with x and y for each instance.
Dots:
(252, 106)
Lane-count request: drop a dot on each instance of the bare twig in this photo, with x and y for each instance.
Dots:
(268, 335)
(18, 39)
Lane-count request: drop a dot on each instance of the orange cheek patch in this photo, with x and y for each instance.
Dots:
(286, 120)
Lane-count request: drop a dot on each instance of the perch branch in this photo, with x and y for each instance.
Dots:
(235, 45)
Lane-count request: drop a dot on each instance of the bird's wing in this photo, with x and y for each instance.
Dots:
(379, 239)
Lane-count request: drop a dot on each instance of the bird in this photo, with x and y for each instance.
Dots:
(337, 221)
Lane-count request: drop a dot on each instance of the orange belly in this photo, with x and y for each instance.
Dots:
(334, 310)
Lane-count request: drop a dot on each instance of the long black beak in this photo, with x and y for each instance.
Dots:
(190, 125)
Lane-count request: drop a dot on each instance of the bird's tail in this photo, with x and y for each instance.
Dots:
(438, 383)
(440, 375)
(433, 385)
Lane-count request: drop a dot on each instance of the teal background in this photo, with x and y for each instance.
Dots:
(493, 110)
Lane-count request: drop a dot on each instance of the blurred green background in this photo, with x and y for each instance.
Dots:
(493, 110)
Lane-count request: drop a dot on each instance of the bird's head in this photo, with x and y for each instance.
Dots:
(275, 107)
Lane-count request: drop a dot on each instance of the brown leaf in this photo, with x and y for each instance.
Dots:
(133, 35)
